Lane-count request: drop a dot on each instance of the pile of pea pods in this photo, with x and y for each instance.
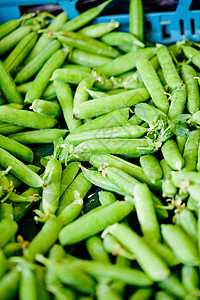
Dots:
(99, 161)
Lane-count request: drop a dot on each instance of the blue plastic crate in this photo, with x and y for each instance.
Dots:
(162, 27)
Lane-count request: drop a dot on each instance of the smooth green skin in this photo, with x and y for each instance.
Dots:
(87, 226)
(180, 176)
(27, 287)
(68, 175)
(49, 93)
(192, 204)
(20, 170)
(112, 246)
(42, 78)
(6, 211)
(170, 73)
(152, 83)
(99, 30)
(9, 285)
(146, 212)
(130, 131)
(112, 119)
(12, 248)
(168, 188)
(178, 101)
(16, 57)
(65, 98)
(15, 148)
(182, 245)
(44, 239)
(8, 86)
(97, 107)
(16, 182)
(192, 54)
(194, 190)
(23, 88)
(190, 278)
(98, 160)
(12, 39)
(51, 189)
(161, 295)
(136, 25)
(124, 63)
(173, 285)
(81, 94)
(131, 147)
(151, 167)
(45, 40)
(155, 268)
(31, 68)
(85, 17)
(141, 294)
(77, 68)
(38, 136)
(9, 26)
(3, 264)
(86, 43)
(192, 88)
(79, 184)
(96, 249)
(46, 108)
(149, 113)
(87, 59)
(119, 38)
(195, 118)
(70, 76)
(108, 294)
(8, 229)
(190, 153)
(26, 118)
(70, 212)
(119, 286)
(42, 292)
(106, 198)
(172, 155)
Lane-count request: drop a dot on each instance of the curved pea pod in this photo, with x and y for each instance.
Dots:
(119, 38)
(162, 295)
(124, 62)
(16, 57)
(87, 226)
(71, 212)
(106, 104)
(182, 246)
(8, 86)
(194, 190)
(27, 286)
(178, 101)
(66, 273)
(69, 75)
(26, 118)
(193, 54)
(85, 17)
(20, 170)
(99, 30)
(12, 39)
(68, 175)
(148, 260)
(149, 114)
(104, 293)
(130, 131)
(152, 83)
(44, 239)
(65, 98)
(8, 229)
(96, 249)
(8, 27)
(190, 278)
(46, 108)
(106, 198)
(192, 89)
(190, 153)
(87, 59)
(31, 68)
(114, 118)
(172, 155)
(136, 15)
(38, 136)
(168, 188)
(42, 78)
(170, 73)
(81, 185)
(142, 294)
(9, 285)
(17, 149)
(51, 189)
(173, 285)
(151, 167)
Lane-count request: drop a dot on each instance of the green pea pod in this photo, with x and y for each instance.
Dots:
(71, 212)
(96, 249)
(23, 88)
(162, 295)
(178, 101)
(151, 167)
(173, 285)
(107, 293)
(3, 264)
(8, 229)
(70, 75)
(190, 153)
(149, 114)
(172, 155)
(38, 136)
(46, 108)
(9, 285)
(168, 188)
(119, 38)
(148, 260)
(68, 175)
(190, 278)
(8, 27)
(136, 14)
(142, 294)
(8, 86)
(99, 30)
(193, 54)
(42, 78)
(106, 198)
(87, 226)
(85, 17)
(27, 287)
